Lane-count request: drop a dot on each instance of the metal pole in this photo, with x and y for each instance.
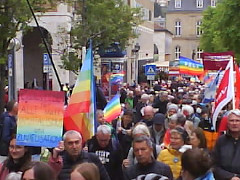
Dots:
(45, 44)
(10, 76)
(136, 64)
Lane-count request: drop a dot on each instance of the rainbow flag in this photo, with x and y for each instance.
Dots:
(190, 67)
(112, 109)
(79, 114)
(208, 79)
(116, 78)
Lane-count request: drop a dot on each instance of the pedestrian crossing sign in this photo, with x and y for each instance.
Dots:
(150, 70)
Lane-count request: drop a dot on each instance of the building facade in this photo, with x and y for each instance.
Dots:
(30, 68)
(141, 49)
(184, 19)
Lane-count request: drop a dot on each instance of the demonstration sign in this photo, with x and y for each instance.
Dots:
(40, 118)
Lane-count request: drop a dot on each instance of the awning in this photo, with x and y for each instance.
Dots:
(160, 64)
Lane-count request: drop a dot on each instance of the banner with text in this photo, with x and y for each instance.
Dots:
(216, 61)
(40, 118)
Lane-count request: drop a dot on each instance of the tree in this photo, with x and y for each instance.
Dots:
(14, 17)
(221, 28)
(103, 21)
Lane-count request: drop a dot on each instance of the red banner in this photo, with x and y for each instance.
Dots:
(224, 93)
(216, 61)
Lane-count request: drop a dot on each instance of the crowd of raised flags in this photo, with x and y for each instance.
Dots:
(215, 68)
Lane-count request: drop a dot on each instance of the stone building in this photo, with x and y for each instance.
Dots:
(183, 19)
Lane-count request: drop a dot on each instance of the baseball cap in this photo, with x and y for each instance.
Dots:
(158, 118)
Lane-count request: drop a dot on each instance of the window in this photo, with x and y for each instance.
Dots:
(199, 52)
(178, 28)
(178, 4)
(145, 14)
(177, 52)
(150, 15)
(199, 3)
(198, 28)
(213, 3)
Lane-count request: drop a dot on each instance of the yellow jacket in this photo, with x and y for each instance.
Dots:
(172, 158)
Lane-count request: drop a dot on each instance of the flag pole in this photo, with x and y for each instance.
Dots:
(233, 88)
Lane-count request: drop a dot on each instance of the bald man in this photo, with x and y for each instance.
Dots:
(148, 114)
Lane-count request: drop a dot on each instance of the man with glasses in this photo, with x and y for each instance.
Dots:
(226, 153)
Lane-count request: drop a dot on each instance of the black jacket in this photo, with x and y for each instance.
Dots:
(100, 98)
(68, 164)
(110, 156)
(154, 167)
(226, 156)
(161, 105)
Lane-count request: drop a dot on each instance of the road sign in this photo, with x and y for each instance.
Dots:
(46, 63)
(150, 70)
(10, 65)
(151, 77)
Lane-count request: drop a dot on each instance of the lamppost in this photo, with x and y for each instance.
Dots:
(14, 46)
(136, 53)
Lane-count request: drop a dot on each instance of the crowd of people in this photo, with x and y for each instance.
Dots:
(164, 132)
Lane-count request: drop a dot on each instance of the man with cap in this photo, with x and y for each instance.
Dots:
(158, 130)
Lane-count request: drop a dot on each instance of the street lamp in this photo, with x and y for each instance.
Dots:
(136, 52)
(14, 46)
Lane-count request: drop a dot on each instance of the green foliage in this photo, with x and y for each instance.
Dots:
(14, 16)
(103, 21)
(221, 28)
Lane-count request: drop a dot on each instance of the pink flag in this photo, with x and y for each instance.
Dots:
(225, 92)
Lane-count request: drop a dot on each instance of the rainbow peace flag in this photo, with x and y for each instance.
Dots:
(79, 114)
(112, 109)
(116, 78)
(208, 79)
(190, 67)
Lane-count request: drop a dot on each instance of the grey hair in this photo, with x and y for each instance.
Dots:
(173, 117)
(142, 139)
(188, 108)
(235, 112)
(99, 111)
(141, 129)
(71, 132)
(145, 96)
(104, 129)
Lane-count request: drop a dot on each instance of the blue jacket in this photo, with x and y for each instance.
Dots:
(9, 126)
(207, 176)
